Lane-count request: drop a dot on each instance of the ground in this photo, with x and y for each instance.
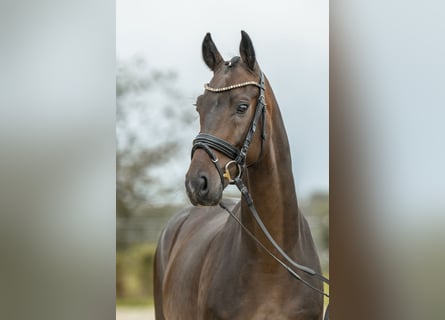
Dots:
(126, 313)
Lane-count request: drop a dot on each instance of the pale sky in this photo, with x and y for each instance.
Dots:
(291, 40)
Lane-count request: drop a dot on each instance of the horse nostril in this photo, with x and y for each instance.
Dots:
(203, 184)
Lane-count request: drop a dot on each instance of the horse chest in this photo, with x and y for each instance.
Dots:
(257, 298)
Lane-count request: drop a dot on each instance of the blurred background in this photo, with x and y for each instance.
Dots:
(386, 132)
(160, 73)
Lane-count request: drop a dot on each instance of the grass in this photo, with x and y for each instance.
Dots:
(135, 302)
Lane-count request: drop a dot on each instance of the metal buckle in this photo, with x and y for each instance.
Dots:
(227, 171)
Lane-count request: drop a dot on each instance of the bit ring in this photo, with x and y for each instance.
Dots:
(227, 174)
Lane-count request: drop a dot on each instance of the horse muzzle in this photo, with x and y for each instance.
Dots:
(203, 183)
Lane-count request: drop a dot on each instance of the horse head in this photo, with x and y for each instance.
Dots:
(227, 111)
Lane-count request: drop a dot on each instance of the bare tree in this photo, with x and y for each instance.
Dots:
(150, 110)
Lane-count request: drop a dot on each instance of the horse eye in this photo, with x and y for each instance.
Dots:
(242, 108)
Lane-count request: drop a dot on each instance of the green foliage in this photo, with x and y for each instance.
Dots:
(134, 275)
(316, 210)
(319, 208)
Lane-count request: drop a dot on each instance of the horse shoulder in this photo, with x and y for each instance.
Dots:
(163, 249)
(187, 240)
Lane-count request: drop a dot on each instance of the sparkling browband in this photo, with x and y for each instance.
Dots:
(233, 86)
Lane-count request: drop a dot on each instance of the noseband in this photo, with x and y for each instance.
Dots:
(208, 142)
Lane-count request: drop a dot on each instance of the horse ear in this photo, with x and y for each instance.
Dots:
(246, 50)
(210, 53)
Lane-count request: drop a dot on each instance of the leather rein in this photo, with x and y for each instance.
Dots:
(208, 143)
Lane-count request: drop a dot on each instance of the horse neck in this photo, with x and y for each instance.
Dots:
(271, 185)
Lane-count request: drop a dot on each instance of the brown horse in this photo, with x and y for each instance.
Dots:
(206, 265)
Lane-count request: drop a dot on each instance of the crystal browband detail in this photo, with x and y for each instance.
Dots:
(233, 86)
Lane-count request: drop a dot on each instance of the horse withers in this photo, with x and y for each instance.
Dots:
(209, 264)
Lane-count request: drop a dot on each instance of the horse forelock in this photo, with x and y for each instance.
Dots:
(232, 72)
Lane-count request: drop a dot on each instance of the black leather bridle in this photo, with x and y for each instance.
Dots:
(209, 143)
